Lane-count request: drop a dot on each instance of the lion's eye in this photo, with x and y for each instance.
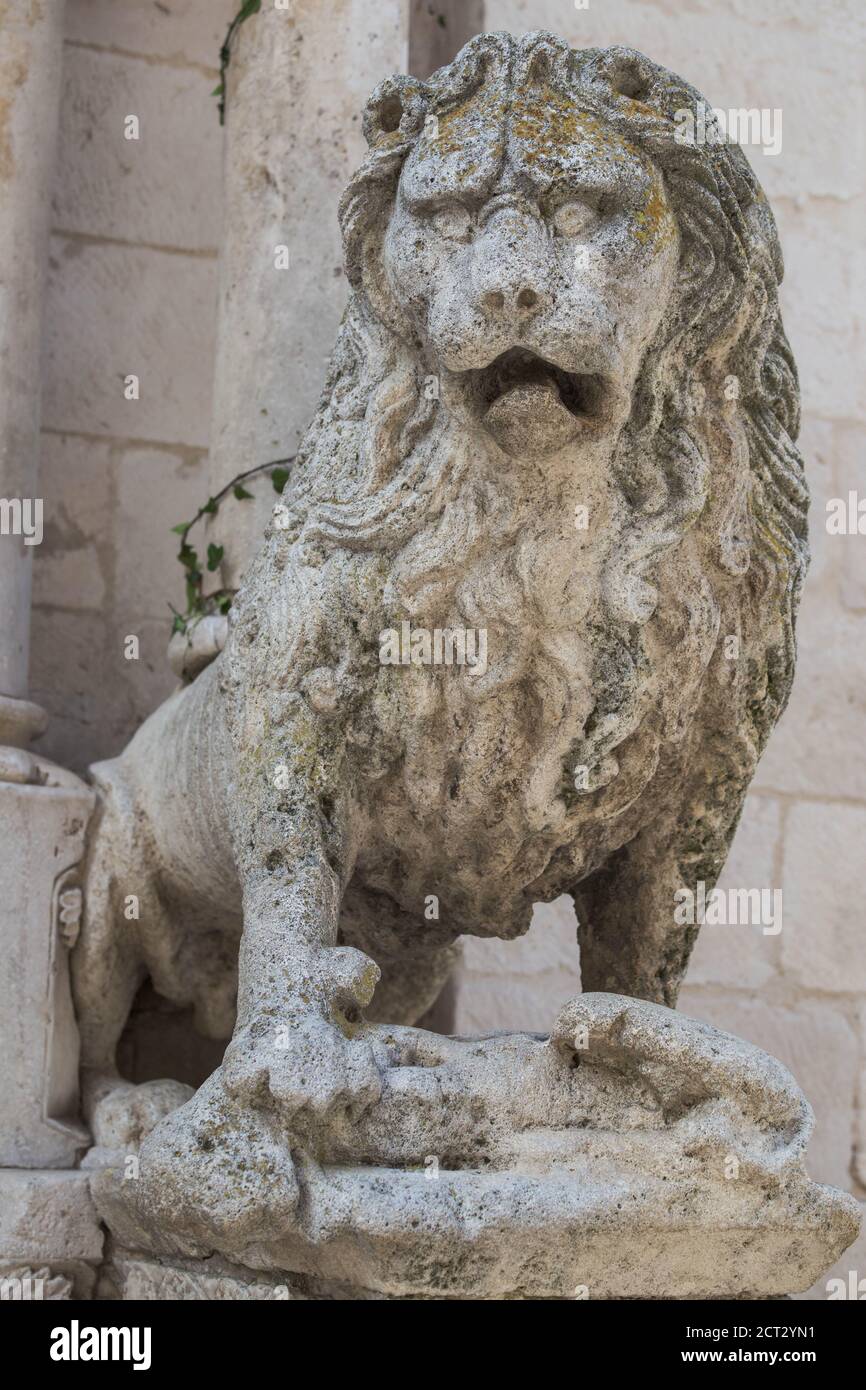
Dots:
(453, 222)
(571, 218)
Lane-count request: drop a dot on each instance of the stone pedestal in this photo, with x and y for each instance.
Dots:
(44, 821)
(49, 1232)
(633, 1154)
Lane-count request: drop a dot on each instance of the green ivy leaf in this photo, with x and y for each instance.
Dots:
(214, 555)
(197, 606)
(218, 91)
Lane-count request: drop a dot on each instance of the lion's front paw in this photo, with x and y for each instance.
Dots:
(306, 1068)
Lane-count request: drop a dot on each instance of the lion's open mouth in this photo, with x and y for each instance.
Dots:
(532, 406)
(579, 392)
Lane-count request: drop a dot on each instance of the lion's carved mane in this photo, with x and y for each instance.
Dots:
(389, 516)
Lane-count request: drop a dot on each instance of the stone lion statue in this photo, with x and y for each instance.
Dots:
(557, 432)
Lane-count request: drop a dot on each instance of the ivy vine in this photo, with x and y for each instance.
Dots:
(249, 7)
(219, 600)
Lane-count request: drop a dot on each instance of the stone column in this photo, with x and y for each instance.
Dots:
(30, 47)
(296, 84)
(43, 810)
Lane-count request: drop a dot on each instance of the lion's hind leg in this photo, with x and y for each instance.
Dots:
(633, 939)
(108, 968)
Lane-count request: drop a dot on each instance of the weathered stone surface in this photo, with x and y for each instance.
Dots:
(822, 942)
(845, 1281)
(188, 33)
(293, 138)
(669, 1161)
(824, 753)
(23, 1284)
(137, 1278)
(129, 188)
(740, 56)
(30, 50)
(197, 646)
(489, 318)
(560, 416)
(47, 1218)
(816, 1041)
(41, 878)
(91, 348)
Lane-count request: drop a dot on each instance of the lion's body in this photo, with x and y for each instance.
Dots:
(609, 541)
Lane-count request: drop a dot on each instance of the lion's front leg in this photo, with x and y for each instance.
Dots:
(298, 1045)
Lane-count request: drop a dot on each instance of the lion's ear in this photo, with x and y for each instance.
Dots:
(396, 110)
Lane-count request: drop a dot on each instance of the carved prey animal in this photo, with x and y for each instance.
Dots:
(560, 410)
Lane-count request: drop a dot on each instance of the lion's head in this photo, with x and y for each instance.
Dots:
(556, 305)
(532, 252)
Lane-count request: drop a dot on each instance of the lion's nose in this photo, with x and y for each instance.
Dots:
(522, 298)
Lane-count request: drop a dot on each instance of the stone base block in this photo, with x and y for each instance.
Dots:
(49, 1232)
(635, 1153)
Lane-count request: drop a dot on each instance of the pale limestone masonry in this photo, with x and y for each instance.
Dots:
(48, 1221)
(134, 264)
(293, 139)
(132, 289)
(29, 77)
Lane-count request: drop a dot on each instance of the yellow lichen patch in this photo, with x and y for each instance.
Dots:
(550, 126)
(468, 137)
(386, 138)
(340, 1021)
(654, 222)
(638, 108)
(367, 983)
(481, 113)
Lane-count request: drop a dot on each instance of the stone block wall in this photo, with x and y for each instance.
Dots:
(133, 289)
